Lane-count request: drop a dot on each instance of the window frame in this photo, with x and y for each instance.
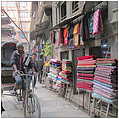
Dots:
(75, 8)
(60, 11)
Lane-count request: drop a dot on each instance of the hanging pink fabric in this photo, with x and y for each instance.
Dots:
(97, 22)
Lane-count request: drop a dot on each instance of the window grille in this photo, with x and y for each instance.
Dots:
(63, 10)
(75, 6)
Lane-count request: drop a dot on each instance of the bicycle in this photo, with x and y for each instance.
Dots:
(30, 100)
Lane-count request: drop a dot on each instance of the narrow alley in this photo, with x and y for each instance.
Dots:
(67, 51)
(52, 106)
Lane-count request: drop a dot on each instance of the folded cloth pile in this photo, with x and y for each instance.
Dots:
(55, 63)
(66, 65)
(85, 72)
(66, 73)
(105, 83)
(54, 69)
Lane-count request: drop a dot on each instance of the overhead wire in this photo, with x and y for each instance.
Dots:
(16, 25)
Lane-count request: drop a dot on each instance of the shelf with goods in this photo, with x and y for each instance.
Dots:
(105, 84)
(55, 68)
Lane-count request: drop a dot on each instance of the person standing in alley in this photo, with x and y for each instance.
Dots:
(34, 67)
(17, 64)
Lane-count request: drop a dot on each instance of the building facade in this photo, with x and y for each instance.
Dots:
(40, 25)
(67, 12)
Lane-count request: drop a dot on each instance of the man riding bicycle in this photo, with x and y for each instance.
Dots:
(18, 61)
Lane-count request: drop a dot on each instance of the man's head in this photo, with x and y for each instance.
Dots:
(20, 48)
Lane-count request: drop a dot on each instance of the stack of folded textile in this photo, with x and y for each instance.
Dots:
(85, 72)
(66, 73)
(106, 81)
(54, 69)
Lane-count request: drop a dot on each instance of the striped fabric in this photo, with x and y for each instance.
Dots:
(105, 80)
(97, 22)
(85, 72)
(66, 73)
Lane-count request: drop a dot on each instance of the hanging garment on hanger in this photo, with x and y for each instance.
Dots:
(90, 26)
(70, 32)
(61, 38)
(65, 36)
(52, 36)
(70, 36)
(97, 22)
(57, 42)
(84, 30)
(76, 35)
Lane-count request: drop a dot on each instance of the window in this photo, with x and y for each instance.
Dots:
(75, 6)
(63, 10)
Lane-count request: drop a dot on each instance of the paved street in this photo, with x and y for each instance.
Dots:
(52, 106)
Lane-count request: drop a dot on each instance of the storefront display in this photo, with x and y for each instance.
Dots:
(85, 72)
(105, 80)
(55, 68)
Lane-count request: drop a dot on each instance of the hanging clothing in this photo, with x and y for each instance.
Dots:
(76, 35)
(84, 30)
(65, 36)
(97, 22)
(57, 41)
(70, 36)
(52, 37)
(90, 23)
(61, 38)
(70, 32)
(90, 26)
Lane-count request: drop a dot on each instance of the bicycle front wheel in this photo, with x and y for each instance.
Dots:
(35, 106)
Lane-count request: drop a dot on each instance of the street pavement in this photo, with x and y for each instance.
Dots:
(52, 106)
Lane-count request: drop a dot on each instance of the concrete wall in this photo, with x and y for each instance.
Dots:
(113, 23)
